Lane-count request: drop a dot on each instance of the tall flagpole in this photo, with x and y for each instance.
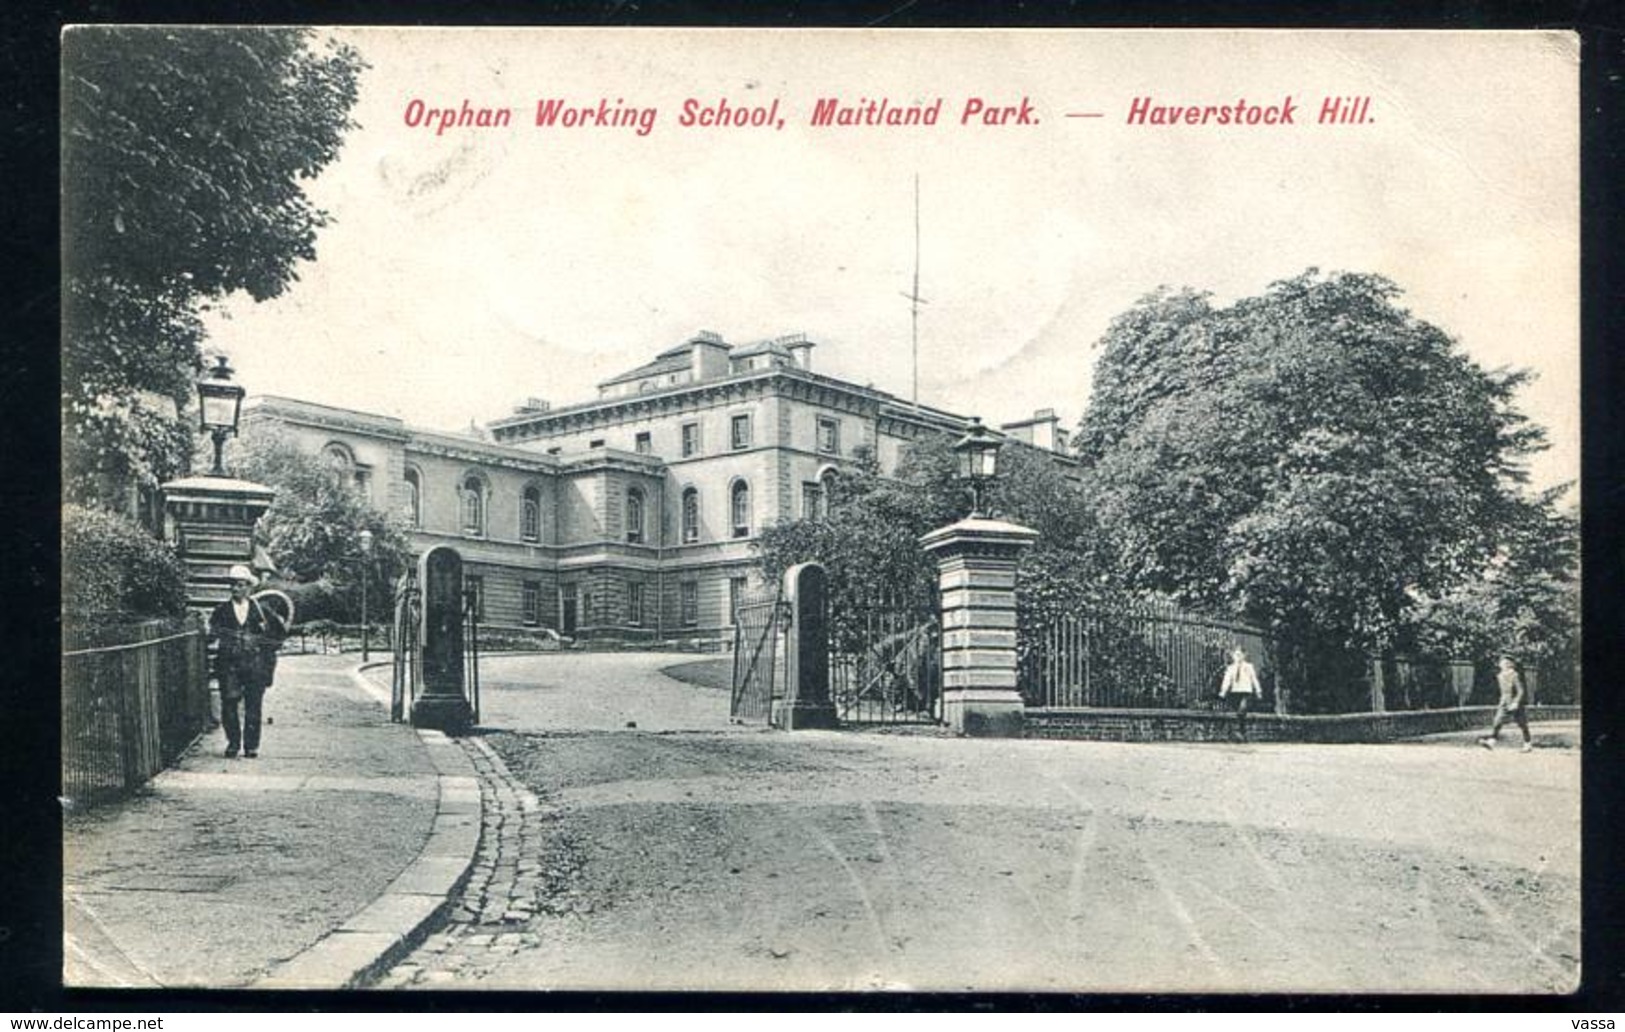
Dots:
(915, 294)
(915, 300)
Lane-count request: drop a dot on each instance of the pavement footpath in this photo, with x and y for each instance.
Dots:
(316, 865)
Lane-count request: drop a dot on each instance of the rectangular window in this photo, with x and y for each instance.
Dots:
(530, 603)
(739, 432)
(812, 500)
(645, 444)
(691, 439)
(634, 604)
(596, 442)
(736, 595)
(474, 586)
(690, 602)
(829, 436)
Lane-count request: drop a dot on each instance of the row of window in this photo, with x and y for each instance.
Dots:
(473, 510)
(472, 507)
(738, 512)
(739, 436)
(691, 442)
(530, 594)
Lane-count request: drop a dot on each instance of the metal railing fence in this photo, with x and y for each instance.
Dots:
(1143, 654)
(133, 699)
(885, 662)
(760, 621)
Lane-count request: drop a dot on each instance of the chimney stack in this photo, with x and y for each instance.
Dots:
(709, 359)
(800, 349)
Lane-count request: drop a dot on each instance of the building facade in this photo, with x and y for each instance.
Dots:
(632, 515)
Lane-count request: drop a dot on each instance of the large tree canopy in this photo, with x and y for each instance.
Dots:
(312, 531)
(183, 153)
(1316, 458)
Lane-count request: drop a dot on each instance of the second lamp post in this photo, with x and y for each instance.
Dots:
(365, 537)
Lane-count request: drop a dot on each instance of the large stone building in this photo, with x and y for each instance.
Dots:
(631, 515)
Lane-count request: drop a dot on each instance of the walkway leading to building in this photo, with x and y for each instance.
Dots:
(223, 869)
(606, 691)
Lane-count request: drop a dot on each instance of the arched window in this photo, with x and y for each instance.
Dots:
(691, 516)
(827, 480)
(634, 515)
(340, 463)
(473, 505)
(739, 508)
(414, 498)
(530, 514)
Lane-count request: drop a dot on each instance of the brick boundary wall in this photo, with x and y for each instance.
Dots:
(1142, 725)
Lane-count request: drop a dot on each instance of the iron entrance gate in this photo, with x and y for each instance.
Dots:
(759, 626)
(885, 663)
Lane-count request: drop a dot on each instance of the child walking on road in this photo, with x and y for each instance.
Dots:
(1512, 702)
(1241, 684)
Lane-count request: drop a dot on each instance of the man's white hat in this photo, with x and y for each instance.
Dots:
(241, 572)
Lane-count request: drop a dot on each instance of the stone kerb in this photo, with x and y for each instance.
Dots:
(976, 562)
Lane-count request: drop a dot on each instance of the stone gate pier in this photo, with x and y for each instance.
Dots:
(976, 563)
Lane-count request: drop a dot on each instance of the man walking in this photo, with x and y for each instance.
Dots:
(1240, 684)
(244, 631)
(1513, 697)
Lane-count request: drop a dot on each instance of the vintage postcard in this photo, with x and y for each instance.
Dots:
(1062, 511)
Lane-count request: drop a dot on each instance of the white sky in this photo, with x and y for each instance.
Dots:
(468, 270)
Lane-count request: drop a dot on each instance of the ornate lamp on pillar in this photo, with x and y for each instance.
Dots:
(220, 405)
(977, 455)
(976, 564)
(211, 518)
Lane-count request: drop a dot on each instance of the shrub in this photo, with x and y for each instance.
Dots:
(114, 571)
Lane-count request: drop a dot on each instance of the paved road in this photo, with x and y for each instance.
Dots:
(596, 692)
(709, 856)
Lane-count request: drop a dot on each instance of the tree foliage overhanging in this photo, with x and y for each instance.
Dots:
(1319, 459)
(312, 531)
(183, 153)
(1315, 459)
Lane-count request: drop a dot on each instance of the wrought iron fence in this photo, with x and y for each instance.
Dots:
(1422, 684)
(1146, 654)
(324, 637)
(885, 662)
(133, 699)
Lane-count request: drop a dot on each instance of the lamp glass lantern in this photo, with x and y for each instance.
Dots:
(220, 404)
(977, 455)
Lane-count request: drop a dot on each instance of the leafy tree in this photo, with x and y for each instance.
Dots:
(1525, 603)
(183, 150)
(313, 527)
(869, 538)
(1315, 458)
(114, 572)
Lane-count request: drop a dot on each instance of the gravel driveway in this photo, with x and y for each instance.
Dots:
(698, 854)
